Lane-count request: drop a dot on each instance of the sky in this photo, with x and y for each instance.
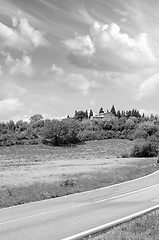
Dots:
(58, 56)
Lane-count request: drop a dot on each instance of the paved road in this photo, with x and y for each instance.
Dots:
(56, 219)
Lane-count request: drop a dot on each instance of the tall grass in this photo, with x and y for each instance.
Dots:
(69, 184)
(33, 173)
(143, 228)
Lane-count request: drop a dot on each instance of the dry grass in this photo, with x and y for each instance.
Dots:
(31, 173)
(143, 228)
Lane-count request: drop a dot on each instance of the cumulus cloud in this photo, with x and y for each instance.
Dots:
(79, 82)
(82, 45)
(71, 80)
(22, 66)
(149, 87)
(19, 66)
(21, 36)
(57, 70)
(9, 108)
(107, 48)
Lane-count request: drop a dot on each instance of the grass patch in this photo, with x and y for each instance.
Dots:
(145, 227)
(33, 173)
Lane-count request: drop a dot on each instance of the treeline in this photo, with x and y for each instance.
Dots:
(144, 131)
(38, 130)
(80, 115)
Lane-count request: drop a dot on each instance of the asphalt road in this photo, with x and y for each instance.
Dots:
(59, 218)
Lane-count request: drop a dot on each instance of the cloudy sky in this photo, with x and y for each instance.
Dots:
(58, 56)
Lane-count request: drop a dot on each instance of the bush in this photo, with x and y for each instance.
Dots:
(144, 148)
(139, 133)
(125, 155)
(63, 132)
(149, 127)
(86, 135)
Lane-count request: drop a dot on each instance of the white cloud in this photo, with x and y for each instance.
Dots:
(23, 65)
(57, 70)
(21, 36)
(9, 108)
(79, 82)
(149, 87)
(8, 58)
(82, 45)
(107, 48)
(18, 66)
(71, 80)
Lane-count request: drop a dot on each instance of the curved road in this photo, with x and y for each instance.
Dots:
(60, 218)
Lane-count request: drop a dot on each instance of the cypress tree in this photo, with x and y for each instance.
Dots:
(101, 110)
(113, 110)
(90, 113)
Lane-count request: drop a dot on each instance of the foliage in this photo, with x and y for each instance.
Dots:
(101, 110)
(140, 134)
(36, 117)
(143, 148)
(80, 115)
(113, 110)
(63, 132)
(82, 127)
(90, 113)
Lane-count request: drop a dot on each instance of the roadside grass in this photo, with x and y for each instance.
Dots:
(35, 173)
(145, 227)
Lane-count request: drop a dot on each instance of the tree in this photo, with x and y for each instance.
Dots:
(123, 113)
(118, 114)
(149, 127)
(80, 115)
(86, 114)
(101, 110)
(10, 126)
(36, 117)
(90, 113)
(63, 132)
(128, 114)
(113, 110)
(21, 126)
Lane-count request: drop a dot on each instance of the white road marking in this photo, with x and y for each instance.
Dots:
(129, 193)
(111, 224)
(80, 205)
(40, 214)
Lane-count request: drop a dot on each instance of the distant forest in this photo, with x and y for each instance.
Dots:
(143, 130)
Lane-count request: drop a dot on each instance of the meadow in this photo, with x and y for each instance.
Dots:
(35, 172)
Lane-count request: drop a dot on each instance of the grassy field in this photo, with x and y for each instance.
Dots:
(32, 173)
(143, 228)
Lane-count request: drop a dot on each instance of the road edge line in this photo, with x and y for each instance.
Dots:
(111, 224)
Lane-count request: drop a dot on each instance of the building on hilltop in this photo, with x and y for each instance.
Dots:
(104, 116)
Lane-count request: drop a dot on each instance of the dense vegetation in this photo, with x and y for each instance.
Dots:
(144, 131)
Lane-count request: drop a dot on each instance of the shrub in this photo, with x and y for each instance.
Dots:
(63, 132)
(86, 135)
(139, 133)
(143, 148)
(149, 127)
(125, 155)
